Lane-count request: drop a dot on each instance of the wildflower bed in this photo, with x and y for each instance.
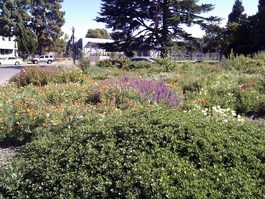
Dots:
(181, 134)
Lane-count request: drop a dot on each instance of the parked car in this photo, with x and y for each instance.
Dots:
(11, 61)
(43, 58)
(147, 59)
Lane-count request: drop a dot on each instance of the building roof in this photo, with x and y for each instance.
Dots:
(97, 40)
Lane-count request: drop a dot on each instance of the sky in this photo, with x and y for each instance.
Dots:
(81, 14)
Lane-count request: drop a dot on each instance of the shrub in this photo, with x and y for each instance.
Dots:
(244, 64)
(38, 76)
(84, 63)
(105, 64)
(69, 75)
(167, 65)
(26, 111)
(112, 63)
(155, 91)
(144, 154)
(249, 101)
(102, 73)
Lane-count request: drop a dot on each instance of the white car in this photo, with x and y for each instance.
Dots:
(11, 61)
(43, 58)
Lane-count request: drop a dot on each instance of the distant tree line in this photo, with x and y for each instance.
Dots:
(242, 34)
(137, 25)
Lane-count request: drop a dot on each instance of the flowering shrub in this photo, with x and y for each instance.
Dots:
(36, 76)
(245, 64)
(42, 76)
(116, 139)
(156, 91)
(208, 87)
(24, 111)
(159, 153)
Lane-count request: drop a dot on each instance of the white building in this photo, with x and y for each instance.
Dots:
(91, 49)
(8, 47)
(90, 46)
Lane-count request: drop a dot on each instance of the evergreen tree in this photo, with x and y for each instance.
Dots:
(7, 18)
(47, 21)
(37, 24)
(258, 27)
(139, 24)
(15, 20)
(97, 33)
(27, 41)
(236, 30)
(237, 15)
(214, 39)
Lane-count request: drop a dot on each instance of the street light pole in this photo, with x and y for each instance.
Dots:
(73, 44)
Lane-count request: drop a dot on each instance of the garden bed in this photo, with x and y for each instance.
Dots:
(121, 130)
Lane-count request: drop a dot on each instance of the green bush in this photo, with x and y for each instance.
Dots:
(157, 153)
(131, 65)
(244, 64)
(112, 63)
(84, 64)
(167, 65)
(249, 102)
(74, 75)
(27, 111)
(105, 64)
(38, 76)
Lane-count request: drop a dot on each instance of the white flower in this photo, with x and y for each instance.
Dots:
(204, 112)
(233, 113)
(80, 117)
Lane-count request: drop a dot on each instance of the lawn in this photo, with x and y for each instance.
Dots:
(126, 129)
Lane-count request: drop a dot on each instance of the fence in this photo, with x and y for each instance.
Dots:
(196, 56)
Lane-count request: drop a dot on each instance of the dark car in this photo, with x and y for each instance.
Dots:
(147, 59)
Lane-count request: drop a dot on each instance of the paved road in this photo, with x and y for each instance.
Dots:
(7, 71)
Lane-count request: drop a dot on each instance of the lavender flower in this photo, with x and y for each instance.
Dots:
(154, 90)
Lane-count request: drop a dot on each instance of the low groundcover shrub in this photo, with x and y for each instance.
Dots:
(157, 153)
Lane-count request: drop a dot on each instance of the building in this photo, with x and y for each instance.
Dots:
(91, 49)
(8, 47)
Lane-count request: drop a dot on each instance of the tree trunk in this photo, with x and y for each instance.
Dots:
(165, 32)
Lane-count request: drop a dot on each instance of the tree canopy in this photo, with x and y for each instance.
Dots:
(97, 33)
(139, 24)
(245, 34)
(36, 24)
(237, 15)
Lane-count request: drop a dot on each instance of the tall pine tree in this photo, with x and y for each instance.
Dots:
(7, 21)
(37, 24)
(15, 21)
(138, 24)
(258, 27)
(237, 15)
(236, 30)
(47, 20)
